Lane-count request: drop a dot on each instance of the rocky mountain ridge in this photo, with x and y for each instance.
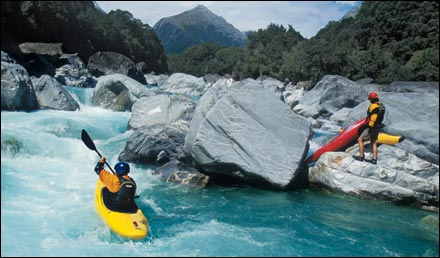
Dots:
(196, 26)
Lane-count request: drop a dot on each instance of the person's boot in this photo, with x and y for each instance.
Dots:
(373, 161)
(358, 158)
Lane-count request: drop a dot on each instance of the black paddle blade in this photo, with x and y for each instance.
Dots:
(87, 140)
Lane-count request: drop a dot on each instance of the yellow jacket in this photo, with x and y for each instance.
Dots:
(111, 181)
(372, 114)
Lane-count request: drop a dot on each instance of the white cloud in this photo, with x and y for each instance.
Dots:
(353, 3)
(306, 17)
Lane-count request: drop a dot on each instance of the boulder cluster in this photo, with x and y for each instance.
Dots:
(254, 132)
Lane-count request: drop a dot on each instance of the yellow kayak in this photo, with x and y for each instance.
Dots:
(384, 138)
(131, 224)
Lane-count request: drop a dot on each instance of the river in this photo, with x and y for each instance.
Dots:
(47, 206)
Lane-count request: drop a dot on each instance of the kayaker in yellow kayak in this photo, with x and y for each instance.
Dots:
(122, 188)
(375, 114)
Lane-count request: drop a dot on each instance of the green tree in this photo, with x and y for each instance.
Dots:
(423, 66)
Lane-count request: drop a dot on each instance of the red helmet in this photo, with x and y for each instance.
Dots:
(373, 95)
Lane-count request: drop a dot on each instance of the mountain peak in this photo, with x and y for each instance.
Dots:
(196, 26)
(201, 8)
(202, 11)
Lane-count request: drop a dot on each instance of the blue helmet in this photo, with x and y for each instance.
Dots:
(122, 168)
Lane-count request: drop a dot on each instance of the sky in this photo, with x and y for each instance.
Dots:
(306, 17)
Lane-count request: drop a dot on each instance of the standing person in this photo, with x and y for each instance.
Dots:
(375, 114)
(122, 188)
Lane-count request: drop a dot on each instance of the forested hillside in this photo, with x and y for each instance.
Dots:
(262, 55)
(82, 28)
(386, 41)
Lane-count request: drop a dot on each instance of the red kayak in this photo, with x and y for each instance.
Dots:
(347, 136)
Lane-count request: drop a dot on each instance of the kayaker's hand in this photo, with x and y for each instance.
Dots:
(100, 165)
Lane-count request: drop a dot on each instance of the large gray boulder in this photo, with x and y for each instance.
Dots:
(156, 144)
(399, 176)
(365, 81)
(291, 96)
(50, 51)
(223, 82)
(40, 57)
(17, 90)
(118, 92)
(272, 83)
(7, 58)
(180, 173)
(161, 109)
(184, 84)
(55, 50)
(157, 80)
(71, 71)
(51, 94)
(246, 132)
(212, 78)
(105, 63)
(329, 95)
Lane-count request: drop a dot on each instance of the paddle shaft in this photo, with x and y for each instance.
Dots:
(89, 143)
